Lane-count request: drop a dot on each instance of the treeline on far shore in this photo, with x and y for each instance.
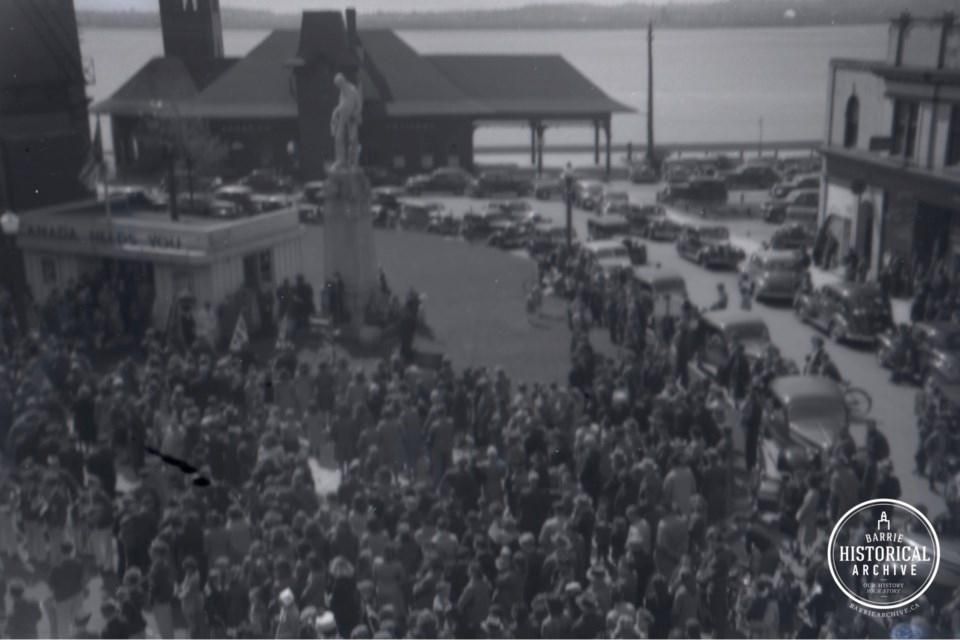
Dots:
(725, 13)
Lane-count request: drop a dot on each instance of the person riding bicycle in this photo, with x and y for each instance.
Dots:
(819, 363)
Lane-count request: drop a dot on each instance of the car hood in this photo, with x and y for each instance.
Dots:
(777, 280)
(815, 432)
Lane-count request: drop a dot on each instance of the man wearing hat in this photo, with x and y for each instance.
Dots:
(288, 620)
(591, 623)
(114, 628)
(24, 614)
(67, 584)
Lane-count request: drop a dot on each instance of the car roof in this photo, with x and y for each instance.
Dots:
(603, 244)
(609, 220)
(732, 317)
(940, 327)
(791, 388)
(652, 274)
(774, 254)
(853, 289)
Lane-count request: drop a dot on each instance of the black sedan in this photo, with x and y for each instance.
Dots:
(752, 176)
(447, 180)
(936, 347)
(848, 311)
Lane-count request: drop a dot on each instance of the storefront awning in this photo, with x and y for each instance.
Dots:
(941, 188)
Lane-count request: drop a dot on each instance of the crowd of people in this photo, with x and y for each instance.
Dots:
(616, 504)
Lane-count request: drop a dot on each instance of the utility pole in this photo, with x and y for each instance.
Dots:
(651, 157)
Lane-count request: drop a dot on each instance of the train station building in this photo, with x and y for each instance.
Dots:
(891, 185)
(272, 107)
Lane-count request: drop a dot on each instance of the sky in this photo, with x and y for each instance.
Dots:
(294, 6)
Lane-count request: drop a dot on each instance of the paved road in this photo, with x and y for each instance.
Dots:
(892, 404)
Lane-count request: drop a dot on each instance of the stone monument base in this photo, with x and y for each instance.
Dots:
(348, 238)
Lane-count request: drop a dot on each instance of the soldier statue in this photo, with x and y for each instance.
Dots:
(345, 123)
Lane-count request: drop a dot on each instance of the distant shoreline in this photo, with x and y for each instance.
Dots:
(371, 24)
(719, 14)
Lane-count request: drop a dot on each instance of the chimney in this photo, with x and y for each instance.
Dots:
(351, 28)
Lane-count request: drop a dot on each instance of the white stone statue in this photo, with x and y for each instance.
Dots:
(345, 123)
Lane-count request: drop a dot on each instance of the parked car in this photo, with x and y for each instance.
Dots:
(663, 230)
(267, 181)
(264, 202)
(805, 199)
(848, 311)
(709, 247)
(772, 275)
(494, 182)
(719, 330)
(607, 227)
(642, 173)
(782, 189)
(544, 238)
(444, 225)
(588, 194)
(697, 190)
(132, 197)
(936, 347)
(665, 290)
(417, 216)
(386, 205)
(548, 188)
(312, 192)
(382, 177)
(613, 199)
(636, 250)
(610, 255)
(445, 180)
(480, 225)
(752, 176)
(791, 236)
(508, 236)
(239, 195)
(803, 418)
(309, 213)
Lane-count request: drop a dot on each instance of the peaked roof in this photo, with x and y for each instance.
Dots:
(518, 85)
(257, 86)
(262, 85)
(414, 86)
(162, 80)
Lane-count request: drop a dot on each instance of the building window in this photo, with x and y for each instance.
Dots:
(906, 116)
(953, 137)
(851, 126)
(266, 267)
(48, 271)
(399, 162)
(426, 161)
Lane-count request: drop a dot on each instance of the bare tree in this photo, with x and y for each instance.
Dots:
(186, 143)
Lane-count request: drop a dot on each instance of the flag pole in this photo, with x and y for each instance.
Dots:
(106, 186)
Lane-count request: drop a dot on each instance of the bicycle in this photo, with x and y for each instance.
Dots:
(857, 400)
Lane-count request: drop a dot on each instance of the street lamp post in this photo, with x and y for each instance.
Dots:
(568, 195)
(10, 226)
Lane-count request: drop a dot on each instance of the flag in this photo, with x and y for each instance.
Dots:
(240, 337)
(283, 331)
(93, 169)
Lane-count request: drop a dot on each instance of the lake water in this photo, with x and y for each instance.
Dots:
(709, 85)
